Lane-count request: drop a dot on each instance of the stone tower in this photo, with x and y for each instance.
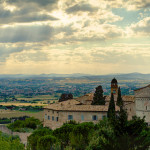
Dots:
(114, 86)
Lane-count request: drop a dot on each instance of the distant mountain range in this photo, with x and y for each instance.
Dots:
(78, 75)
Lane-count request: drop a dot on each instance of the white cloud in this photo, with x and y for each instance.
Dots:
(141, 28)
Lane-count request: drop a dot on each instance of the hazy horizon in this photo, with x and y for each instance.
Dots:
(80, 73)
(74, 36)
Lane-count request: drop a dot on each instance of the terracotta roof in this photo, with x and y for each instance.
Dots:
(86, 97)
(126, 98)
(74, 105)
(142, 87)
(89, 97)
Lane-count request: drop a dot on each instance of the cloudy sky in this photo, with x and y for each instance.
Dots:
(74, 36)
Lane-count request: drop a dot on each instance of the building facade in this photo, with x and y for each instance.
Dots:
(81, 110)
(142, 103)
(59, 113)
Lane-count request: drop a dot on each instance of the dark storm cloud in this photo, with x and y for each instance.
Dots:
(81, 7)
(36, 33)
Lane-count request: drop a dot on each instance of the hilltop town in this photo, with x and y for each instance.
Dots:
(82, 110)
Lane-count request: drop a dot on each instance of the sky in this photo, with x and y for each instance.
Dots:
(74, 36)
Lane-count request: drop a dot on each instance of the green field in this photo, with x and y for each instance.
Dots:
(38, 98)
(14, 113)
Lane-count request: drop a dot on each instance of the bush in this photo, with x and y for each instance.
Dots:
(24, 125)
(46, 142)
(10, 142)
(35, 137)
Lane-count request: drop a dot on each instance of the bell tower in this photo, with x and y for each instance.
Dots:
(114, 86)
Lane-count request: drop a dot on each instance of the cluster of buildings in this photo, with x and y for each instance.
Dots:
(81, 110)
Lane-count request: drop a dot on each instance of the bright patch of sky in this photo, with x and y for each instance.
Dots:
(74, 36)
(129, 17)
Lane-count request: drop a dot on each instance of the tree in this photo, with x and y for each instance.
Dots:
(119, 99)
(46, 142)
(63, 133)
(111, 109)
(129, 135)
(35, 136)
(98, 98)
(8, 142)
(65, 97)
(81, 135)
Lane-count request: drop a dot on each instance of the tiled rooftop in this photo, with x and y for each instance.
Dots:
(74, 105)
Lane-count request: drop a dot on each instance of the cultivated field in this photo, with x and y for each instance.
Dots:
(14, 113)
(39, 97)
(22, 104)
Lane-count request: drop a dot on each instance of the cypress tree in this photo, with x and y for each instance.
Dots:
(119, 99)
(98, 98)
(111, 109)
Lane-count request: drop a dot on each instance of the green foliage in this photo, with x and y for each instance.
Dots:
(119, 98)
(121, 135)
(35, 137)
(46, 142)
(81, 134)
(63, 133)
(111, 109)
(71, 122)
(98, 98)
(10, 143)
(5, 120)
(24, 125)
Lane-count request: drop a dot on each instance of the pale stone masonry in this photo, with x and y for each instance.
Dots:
(128, 100)
(81, 110)
(142, 103)
(61, 112)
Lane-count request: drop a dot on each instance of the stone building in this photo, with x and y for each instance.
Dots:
(58, 113)
(142, 103)
(81, 110)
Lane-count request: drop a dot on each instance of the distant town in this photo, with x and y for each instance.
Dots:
(23, 88)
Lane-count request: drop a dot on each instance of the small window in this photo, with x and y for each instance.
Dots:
(94, 117)
(82, 117)
(48, 117)
(70, 117)
(53, 118)
(45, 116)
(56, 118)
(146, 107)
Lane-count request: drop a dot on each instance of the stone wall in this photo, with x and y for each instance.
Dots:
(50, 119)
(143, 92)
(142, 103)
(130, 107)
(23, 136)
